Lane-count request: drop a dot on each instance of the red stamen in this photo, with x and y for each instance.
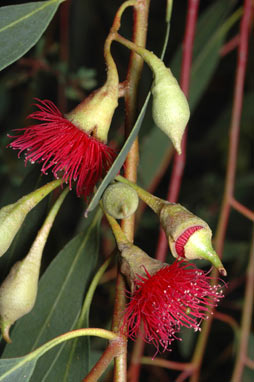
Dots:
(183, 238)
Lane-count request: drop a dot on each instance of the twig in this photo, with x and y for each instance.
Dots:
(166, 364)
(133, 76)
(242, 209)
(242, 354)
(231, 169)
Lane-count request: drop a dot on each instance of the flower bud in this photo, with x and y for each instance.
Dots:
(18, 293)
(13, 215)
(120, 200)
(19, 290)
(170, 107)
(189, 236)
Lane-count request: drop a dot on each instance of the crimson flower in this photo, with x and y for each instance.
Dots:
(68, 151)
(177, 295)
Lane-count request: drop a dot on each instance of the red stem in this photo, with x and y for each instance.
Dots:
(231, 168)
(64, 50)
(179, 160)
(242, 209)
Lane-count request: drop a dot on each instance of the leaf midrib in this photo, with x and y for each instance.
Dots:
(50, 2)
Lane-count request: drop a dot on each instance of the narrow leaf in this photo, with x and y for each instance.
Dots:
(21, 26)
(16, 369)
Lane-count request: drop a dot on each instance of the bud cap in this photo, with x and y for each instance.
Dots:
(120, 200)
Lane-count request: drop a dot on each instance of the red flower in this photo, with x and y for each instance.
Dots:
(69, 152)
(175, 296)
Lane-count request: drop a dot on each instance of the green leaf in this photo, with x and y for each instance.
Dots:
(21, 26)
(16, 369)
(150, 165)
(59, 301)
(22, 367)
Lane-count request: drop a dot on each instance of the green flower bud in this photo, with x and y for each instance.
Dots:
(19, 290)
(13, 215)
(120, 200)
(18, 293)
(170, 107)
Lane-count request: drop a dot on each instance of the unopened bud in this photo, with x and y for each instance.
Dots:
(170, 107)
(189, 236)
(17, 294)
(120, 200)
(13, 215)
(19, 290)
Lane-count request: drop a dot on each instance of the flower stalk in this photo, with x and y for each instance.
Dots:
(13, 215)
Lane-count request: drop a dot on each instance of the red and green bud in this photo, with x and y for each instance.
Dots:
(189, 237)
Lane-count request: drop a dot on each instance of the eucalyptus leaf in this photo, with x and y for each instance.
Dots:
(17, 369)
(21, 26)
(59, 300)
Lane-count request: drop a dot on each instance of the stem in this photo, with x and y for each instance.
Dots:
(167, 364)
(246, 319)
(120, 237)
(109, 354)
(36, 250)
(231, 168)
(32, 199)
(102, 333)
(64, 52)
(179, 160)
(133, 76)
(242, 209)
(152, 201)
